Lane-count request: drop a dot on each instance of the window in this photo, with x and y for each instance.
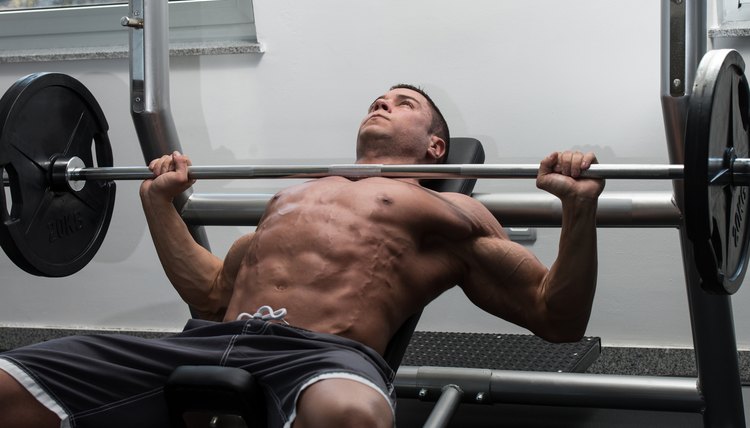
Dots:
(733, 18)
(735, 10)
(74, 29)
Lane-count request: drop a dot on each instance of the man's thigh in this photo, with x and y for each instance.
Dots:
(18, 408)
(342, 403)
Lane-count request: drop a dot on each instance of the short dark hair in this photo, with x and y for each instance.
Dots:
(438, 126)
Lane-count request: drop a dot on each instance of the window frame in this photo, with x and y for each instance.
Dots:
(196, 27)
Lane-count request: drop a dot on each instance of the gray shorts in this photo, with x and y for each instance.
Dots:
(118, 380)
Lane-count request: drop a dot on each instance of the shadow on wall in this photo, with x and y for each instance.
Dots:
(124, 234)
(189, 109)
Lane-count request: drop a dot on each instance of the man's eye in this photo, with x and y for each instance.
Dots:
(407, 103)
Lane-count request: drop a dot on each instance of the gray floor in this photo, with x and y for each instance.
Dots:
(413, 413)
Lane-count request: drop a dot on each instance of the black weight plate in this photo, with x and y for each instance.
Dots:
(716, 209)
(46, 232)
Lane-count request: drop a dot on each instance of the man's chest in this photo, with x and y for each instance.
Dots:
(372, 203)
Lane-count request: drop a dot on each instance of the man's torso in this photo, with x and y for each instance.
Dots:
(353, 258)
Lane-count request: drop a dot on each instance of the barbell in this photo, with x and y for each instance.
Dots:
(73, 174)
(54, 132)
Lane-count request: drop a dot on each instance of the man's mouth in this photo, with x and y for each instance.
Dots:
(376, 116)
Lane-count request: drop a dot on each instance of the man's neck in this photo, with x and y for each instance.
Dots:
(385, 160)
(390, 161)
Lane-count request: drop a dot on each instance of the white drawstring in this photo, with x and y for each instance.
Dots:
(265, 313)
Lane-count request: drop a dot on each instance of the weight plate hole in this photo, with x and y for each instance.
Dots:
(10, 186)
(717, 244)
(94, 156)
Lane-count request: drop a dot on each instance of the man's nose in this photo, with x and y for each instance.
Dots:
(381, 104)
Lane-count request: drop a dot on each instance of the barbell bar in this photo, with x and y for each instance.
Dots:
(737, 172)
(53, 132)
(430, 171)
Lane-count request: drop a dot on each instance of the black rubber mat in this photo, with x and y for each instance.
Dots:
(500, 352)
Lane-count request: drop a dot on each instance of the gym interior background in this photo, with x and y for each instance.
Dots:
(525, 78)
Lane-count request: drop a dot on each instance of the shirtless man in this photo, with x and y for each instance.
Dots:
(349, 260)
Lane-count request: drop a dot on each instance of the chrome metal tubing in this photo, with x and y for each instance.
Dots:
(615, 209)
(538, 209)
(445, 407)
(149, 88)
(554, 389)
(492, 171)
(230, 209)
(149, 91)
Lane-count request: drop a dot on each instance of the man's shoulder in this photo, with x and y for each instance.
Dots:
(470, 206)
(460, 199)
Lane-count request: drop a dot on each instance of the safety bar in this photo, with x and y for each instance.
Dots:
(445, 407)
(483, 386)
(615, 209)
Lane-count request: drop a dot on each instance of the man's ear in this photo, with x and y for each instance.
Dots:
(436, 149)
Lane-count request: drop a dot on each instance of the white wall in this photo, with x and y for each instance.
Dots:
(524, 77)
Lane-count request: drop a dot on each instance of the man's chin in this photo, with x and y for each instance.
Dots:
(372, 136)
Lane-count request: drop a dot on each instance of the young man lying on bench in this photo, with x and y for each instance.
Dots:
(308, 302)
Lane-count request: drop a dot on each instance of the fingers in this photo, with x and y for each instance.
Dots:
(560, 174)
(549, 164)
(175, 162)
(158, 165)
(569, 163)
(170, 176)
(161, 165)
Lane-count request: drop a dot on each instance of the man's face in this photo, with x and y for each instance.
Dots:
(397, 124)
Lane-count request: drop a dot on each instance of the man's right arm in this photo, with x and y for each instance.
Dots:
(197, 275)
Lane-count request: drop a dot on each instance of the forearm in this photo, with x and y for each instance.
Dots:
(568, 288)
(192, 270)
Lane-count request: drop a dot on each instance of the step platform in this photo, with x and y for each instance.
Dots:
(523, 352)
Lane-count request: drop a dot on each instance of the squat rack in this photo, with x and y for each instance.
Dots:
(716, 392)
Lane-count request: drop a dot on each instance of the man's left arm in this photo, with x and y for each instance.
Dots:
(509, 281)
(568, 288)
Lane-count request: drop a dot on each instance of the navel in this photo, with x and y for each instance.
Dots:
(385, 199)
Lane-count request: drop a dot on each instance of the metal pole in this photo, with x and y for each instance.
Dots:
(537, 209)
(75, 170)
(683, 43)
(149, 71)
(614, 209)
(445, 407)
(553, 389)
(490, 171)
(149, 89)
